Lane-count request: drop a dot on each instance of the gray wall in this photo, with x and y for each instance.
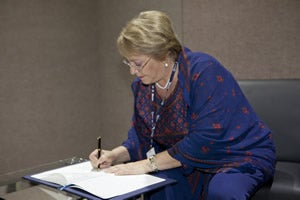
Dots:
(62, 82)
(50, 102)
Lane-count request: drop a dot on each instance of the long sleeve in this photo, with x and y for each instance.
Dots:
(224, 131)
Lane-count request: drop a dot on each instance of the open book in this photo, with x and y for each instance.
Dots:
(95, 182)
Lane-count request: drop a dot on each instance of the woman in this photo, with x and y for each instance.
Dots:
(191, 121)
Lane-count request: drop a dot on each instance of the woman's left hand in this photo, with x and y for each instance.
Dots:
(132, 168)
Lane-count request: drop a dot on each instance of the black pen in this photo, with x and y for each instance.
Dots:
(99, 148)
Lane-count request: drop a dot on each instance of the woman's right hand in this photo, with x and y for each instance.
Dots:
(106, 159)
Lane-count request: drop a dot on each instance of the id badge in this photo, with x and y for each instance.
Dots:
(151, 152)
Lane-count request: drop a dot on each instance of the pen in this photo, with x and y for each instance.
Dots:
(99, 146)
(99, 149)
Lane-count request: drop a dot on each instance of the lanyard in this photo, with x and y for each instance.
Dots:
(154, 119)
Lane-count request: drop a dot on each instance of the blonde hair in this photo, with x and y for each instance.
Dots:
(150, 33)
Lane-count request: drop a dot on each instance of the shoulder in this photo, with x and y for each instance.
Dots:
(200, 65)
(199, 61)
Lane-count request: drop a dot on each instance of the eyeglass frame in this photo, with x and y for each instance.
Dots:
(133, 65)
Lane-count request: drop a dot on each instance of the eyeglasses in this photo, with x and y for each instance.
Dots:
(134, 65)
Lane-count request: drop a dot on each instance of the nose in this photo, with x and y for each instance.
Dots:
(133, 70)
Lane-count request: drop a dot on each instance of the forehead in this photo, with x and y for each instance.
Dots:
(136, 57)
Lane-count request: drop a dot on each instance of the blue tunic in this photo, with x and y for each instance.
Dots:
(206, 123)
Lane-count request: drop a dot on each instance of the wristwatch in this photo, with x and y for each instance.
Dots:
(153, 164)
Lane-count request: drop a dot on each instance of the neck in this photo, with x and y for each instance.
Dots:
(172, 77)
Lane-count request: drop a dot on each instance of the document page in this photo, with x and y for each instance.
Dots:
(110, 186)
(97, 182)
(69, 174)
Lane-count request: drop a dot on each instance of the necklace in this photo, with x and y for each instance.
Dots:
(162, 87)
(167, 86)
(154, 119)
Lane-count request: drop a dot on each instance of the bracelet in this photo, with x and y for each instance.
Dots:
(153, 164)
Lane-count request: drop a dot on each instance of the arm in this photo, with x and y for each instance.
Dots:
(120, 155)
(217, 123)
(162, 161)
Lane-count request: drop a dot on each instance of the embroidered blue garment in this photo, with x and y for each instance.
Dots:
(207, 123)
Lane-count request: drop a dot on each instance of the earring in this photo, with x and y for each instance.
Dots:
(166, 65)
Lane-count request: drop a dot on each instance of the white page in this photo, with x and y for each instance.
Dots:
(110, 186)
(69, 174)
(97, 182)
